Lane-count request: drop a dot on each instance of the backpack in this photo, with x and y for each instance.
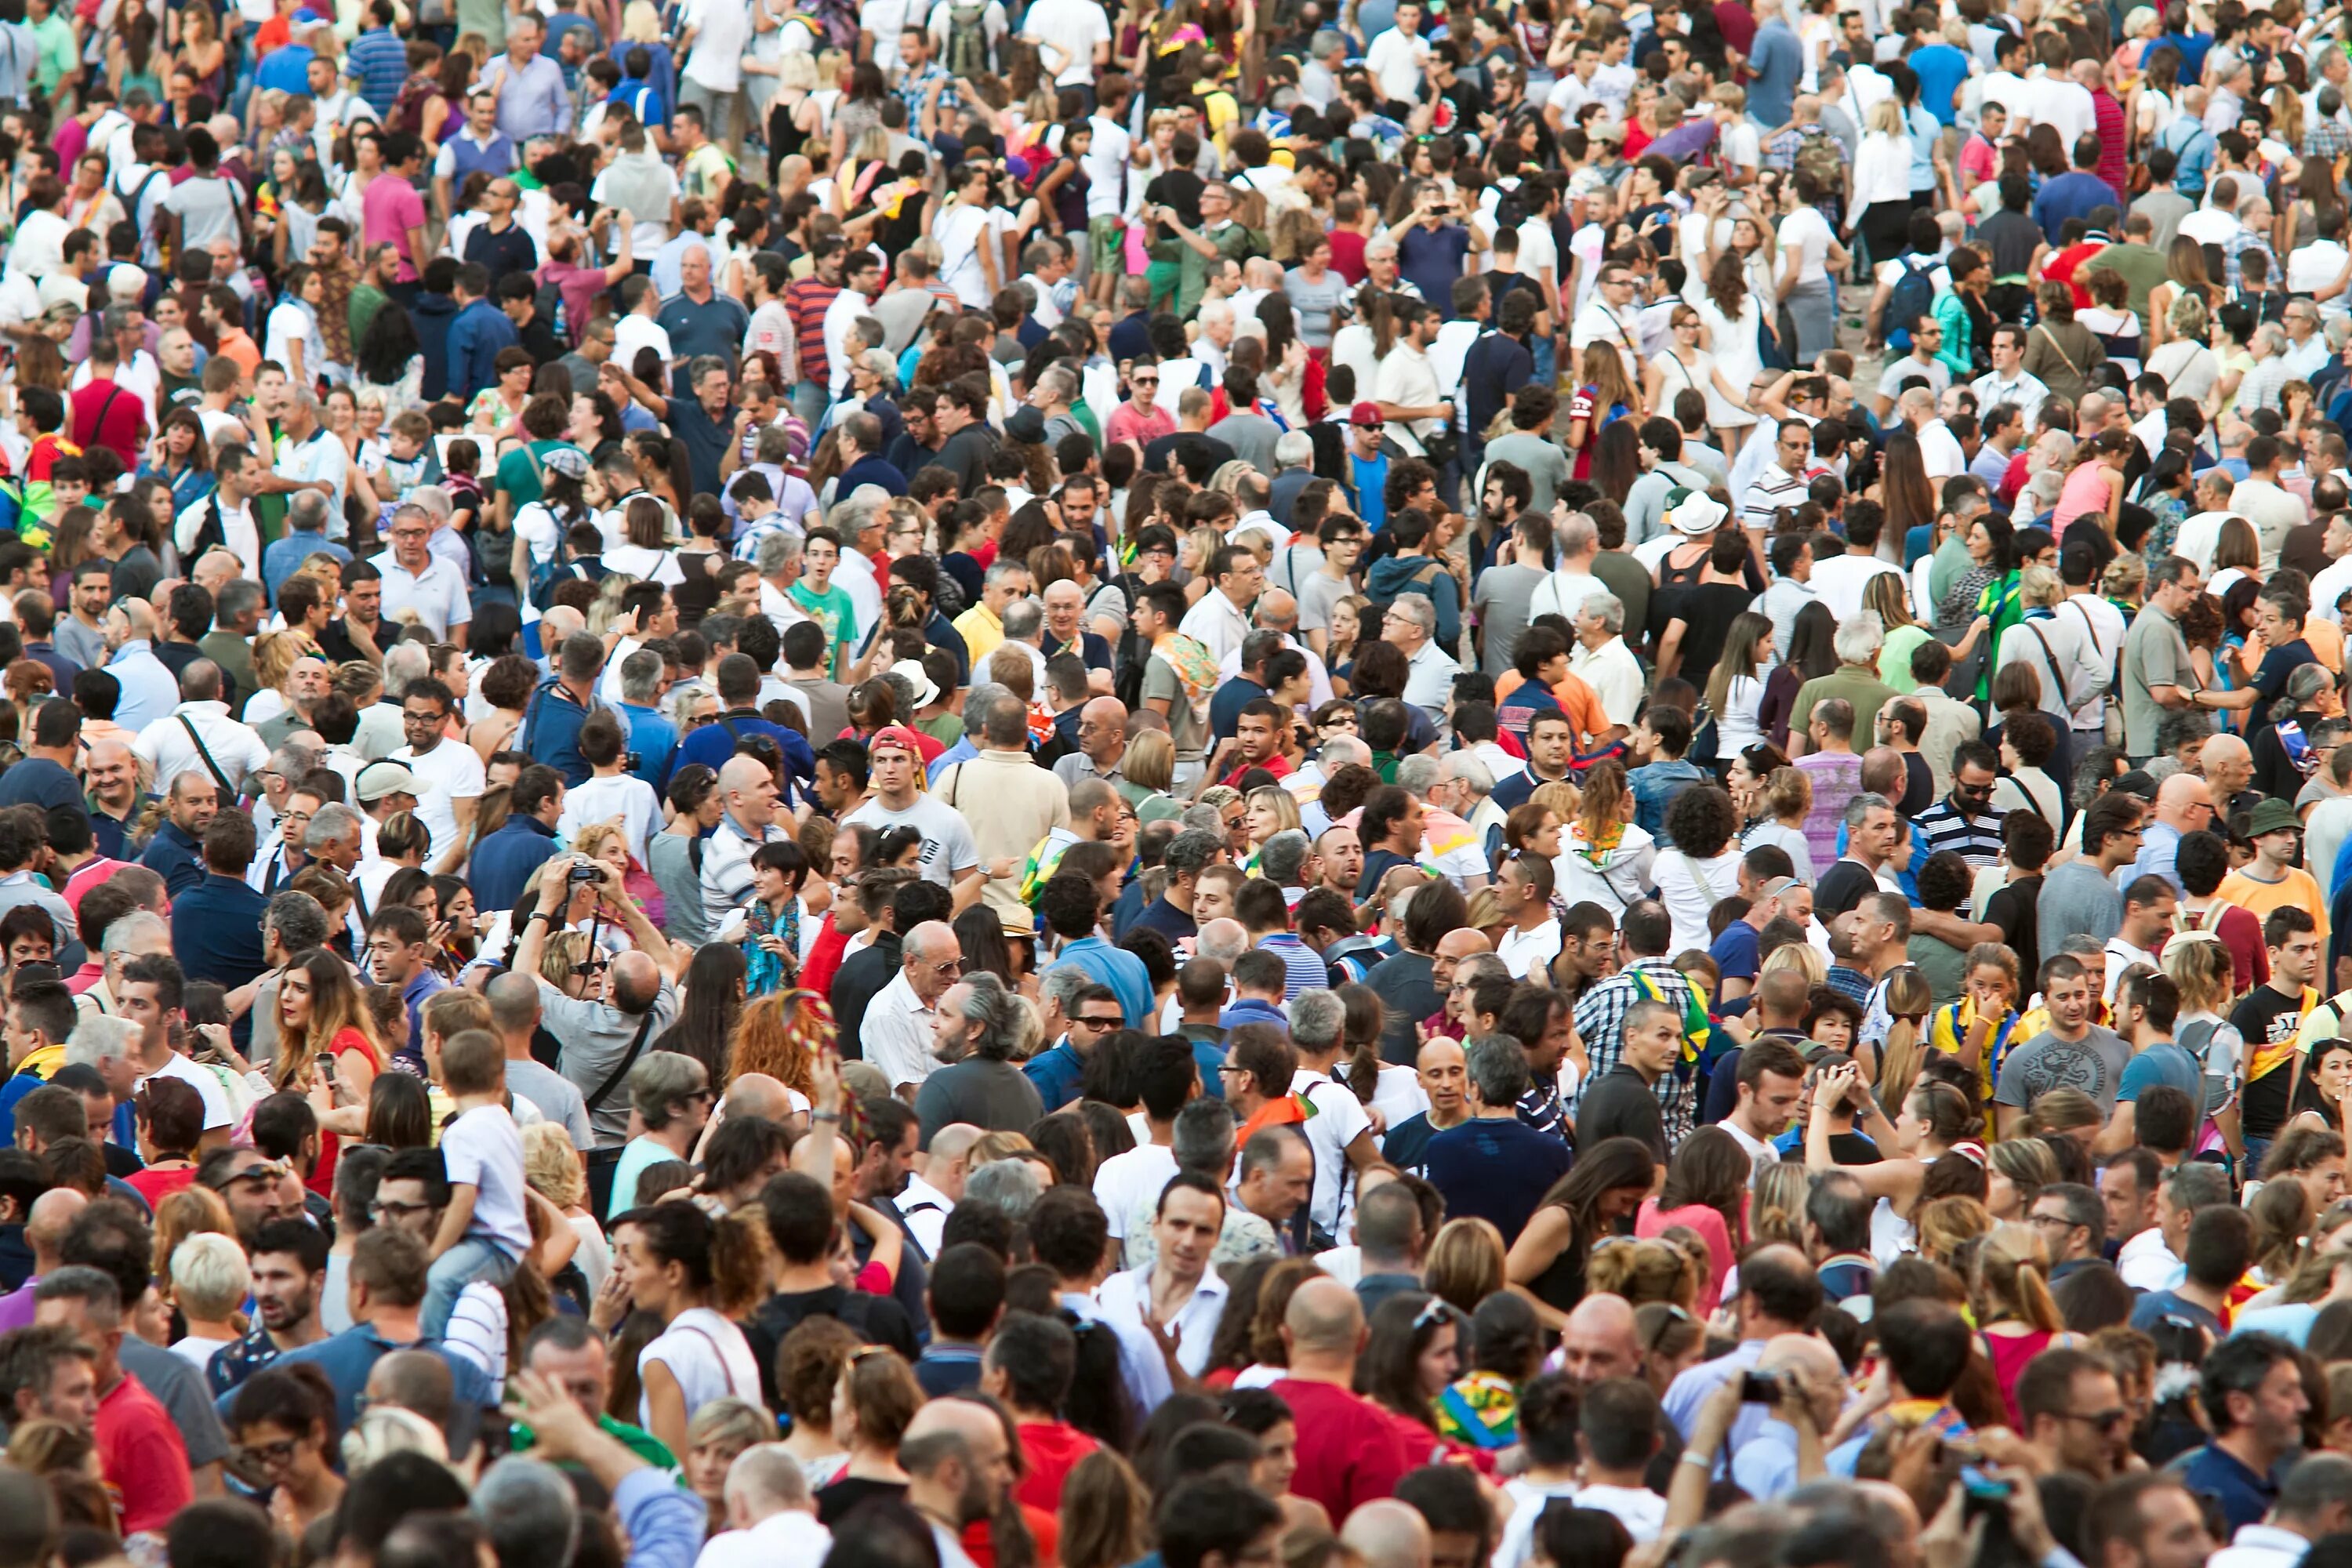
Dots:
(1913, 296)
(967, 50)
(408, 109)
(1823, 157)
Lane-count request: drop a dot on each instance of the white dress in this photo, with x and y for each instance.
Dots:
(1733, 352)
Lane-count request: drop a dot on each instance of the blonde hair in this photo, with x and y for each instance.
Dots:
(1641, 1271)
(383, 1430)
(275, 655)
(640, 23)
(730, 1420)
(209, 1276)
(1799, 956)
(551, 1165)
(191, 1210)
(2009, 1280)
(1777, 1211)
(1945, 1224)
(1899, 1056)
(1284, 804)
(1465, 1262)
(990, 1147)
(2039, 587)
(2201, 967)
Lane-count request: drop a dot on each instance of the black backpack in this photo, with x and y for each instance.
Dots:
(1913, 296)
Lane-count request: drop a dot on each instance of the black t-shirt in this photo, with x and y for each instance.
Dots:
(336, 643)
(1622, 1104)
(834, 1502)
(1177, 190)
(1841, 888)
(500, 254)
(2267, 1017)
(876, 1320)
(1706, 610)
(2011, 908)
(1407, 1145)
(1200, 454)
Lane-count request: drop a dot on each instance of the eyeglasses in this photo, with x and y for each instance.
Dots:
(382, 1210)
(267, 1455)
(2106, 1420)
(1098, 1025)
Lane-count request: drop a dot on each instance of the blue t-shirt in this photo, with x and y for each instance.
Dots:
(2158, 1305)
(1735, 952)
(1940, 70)
(1431, 259)
(2165, 1062)
(1372, 481)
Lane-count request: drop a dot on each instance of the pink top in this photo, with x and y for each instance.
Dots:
(2085, 495)
(1653, 1222)
(2009, 1354)
(388, 209)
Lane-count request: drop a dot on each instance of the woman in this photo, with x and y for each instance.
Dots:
(181, 458)
(716, 1436)
(1606, 856)
(2016, 1170)
(695, 1275)
(1702, 868)
(776, 928)
(390, 361)
(1880, 200)
(293, 337)
(2110, 319)
(1730, 320)
(2028, 744)
(1268, 810)
(1683, 365)
(2093, 494)
(1809, 254)
(1984, 598)
(874, 1400)
(1888, 596)
(555, 1170)
(200, 50)
(1707, 1190)
(1812, 653)
(2320, 1097)
(283, 1421)
(1935, 1121)
(497, 407)
(1735, 689)
(2062, 351)
(2009, 1296)
(1413, 1354)
(1774, 799)
(1608, 396)
(2237, 558)
(2189, 368)
(321, 1014)
(782, 1035)
(1699, 615)
(1594, 1200)
(2235, 352)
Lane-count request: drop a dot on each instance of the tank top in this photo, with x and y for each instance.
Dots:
(2084, 494)
(2009, 1354)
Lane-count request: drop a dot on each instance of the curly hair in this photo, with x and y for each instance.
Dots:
(1701, 820)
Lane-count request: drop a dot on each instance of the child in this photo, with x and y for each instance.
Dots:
(463, 462)
(1483, 1409)
(408, 461)
(486, 1230)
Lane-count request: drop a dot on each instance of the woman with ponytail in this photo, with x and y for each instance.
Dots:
(697, 1275)
(2008, 1294)
(1936, 1122)
(1393, 1094)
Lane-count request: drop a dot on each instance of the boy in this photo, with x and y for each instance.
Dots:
(827, 605)
(54, 477)
(408, 459)
(486, 1227)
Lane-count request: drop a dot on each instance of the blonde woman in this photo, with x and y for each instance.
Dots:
(2200, 965)
(1802, 956)
(1605, 855)
(275, 655)
(1267, 810)
(553, 1169)
(2009, 1295)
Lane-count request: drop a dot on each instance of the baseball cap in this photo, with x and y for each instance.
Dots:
(898, 735)
(1365, 414)
(380, 779)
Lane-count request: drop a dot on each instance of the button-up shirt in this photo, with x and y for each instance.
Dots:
(1125, 1298)
(898, 1033)
(534, 100)
(148, 690)
(1614, 675)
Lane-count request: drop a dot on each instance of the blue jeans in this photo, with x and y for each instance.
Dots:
(472, 1258)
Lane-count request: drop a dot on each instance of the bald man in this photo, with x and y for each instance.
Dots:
(1814, 1380)
(1386, 1534)
(53, 1212)
(514, 1017)
(757, 1094)
(1102, 743)
(932, 1196)
(2228, 769)
(635, 1003)
(2184, 804)
(958, 1469)
(1349, 1450)
(1597, 1343)
(898, 1022)
(1778, 1294)
(770, 1517)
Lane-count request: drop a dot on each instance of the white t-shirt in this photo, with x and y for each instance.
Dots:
(1338, 1117)
(1806, 234)
(1105, 166)
(454, 772)
(722, 38)
(483, 1150)
(1125, 1183)
(708, 1357)
(961, 232)
(208, 1089)
(626, 796)
(949, 847)
(1073, 26)
(883, 21)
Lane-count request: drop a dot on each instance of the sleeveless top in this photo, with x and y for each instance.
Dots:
(2009, 1354)
(2084, 494)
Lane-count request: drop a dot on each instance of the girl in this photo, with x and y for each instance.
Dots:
(1935, 1121)
(2009, 1296)
(1774, 799)
(1607, 397)
(774, 921)
(1977, 1030)
(180, 457)
(1707, 1189)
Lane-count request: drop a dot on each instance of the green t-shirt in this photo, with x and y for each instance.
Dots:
(635, 1439)
(366, 301)
(831, 609)
(518, 477)
(59, 52)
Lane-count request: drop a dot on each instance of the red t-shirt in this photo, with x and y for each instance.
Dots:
(1349, 1450)
(141, 1456)
(1346, 254)
(157, 1186)
(124, 419)
(1052, 1449)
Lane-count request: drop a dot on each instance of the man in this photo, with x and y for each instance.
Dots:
(1603, 660)
(416, 579)
(2146, 1009)
(387, 1289)
(2073, 1224)
(974, 1033)
(1771, 1081)
(49, 1373)
(1623, 1101)
(803, 1226)
(1492, 1164)
(288, 1267)
(902, 1022)
(2157, 676)
(2009, 380)
(2073, 1052)
(2269, 1019)
(2313, 1499)
(515, 1017)
(198, 735)
(957, 1470)
(634, 1001)
(1349, 1453)
(140, 1452)
(1177, 1292)
(2184, 804)
(532, 98)
(2075, 1418)
(1406, 389)
(1778, 1294)
(2079, 898)
(2253, 1390)
(1964, 822)
(216, 922)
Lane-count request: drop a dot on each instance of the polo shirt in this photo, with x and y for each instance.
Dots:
(438, 594)
(216, 936)
(706, 439)
(2245, 1495)
(716, 326)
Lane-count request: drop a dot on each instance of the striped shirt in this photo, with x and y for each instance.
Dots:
(1977, 840)
(378, 61)
(806, 300)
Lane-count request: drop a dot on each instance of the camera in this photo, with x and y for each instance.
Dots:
(584, 871)
(1760, 1388)
(632, 761)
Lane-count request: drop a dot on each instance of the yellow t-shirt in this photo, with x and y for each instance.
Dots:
(2296, 890)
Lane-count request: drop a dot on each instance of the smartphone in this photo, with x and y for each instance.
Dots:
(1981, 1487)
(1759, 1388)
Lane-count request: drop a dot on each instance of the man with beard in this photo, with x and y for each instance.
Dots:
(957, 1470)
(2073, 1413)
(288, 1268)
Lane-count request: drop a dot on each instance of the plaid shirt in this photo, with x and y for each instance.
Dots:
(1601, 1024)
(2326, 139)
(914, 87)
(2236, 246)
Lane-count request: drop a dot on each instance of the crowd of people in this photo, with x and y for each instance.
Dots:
(1033, 783)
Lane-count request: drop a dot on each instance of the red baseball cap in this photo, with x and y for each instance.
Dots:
(1365, 414)
(898, 735)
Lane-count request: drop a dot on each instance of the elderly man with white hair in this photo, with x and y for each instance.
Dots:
(903, 1018)
(1446, 786)
(1601, 659)
(1411, 625)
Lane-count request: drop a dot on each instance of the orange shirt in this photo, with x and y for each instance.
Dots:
(1576, 699)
